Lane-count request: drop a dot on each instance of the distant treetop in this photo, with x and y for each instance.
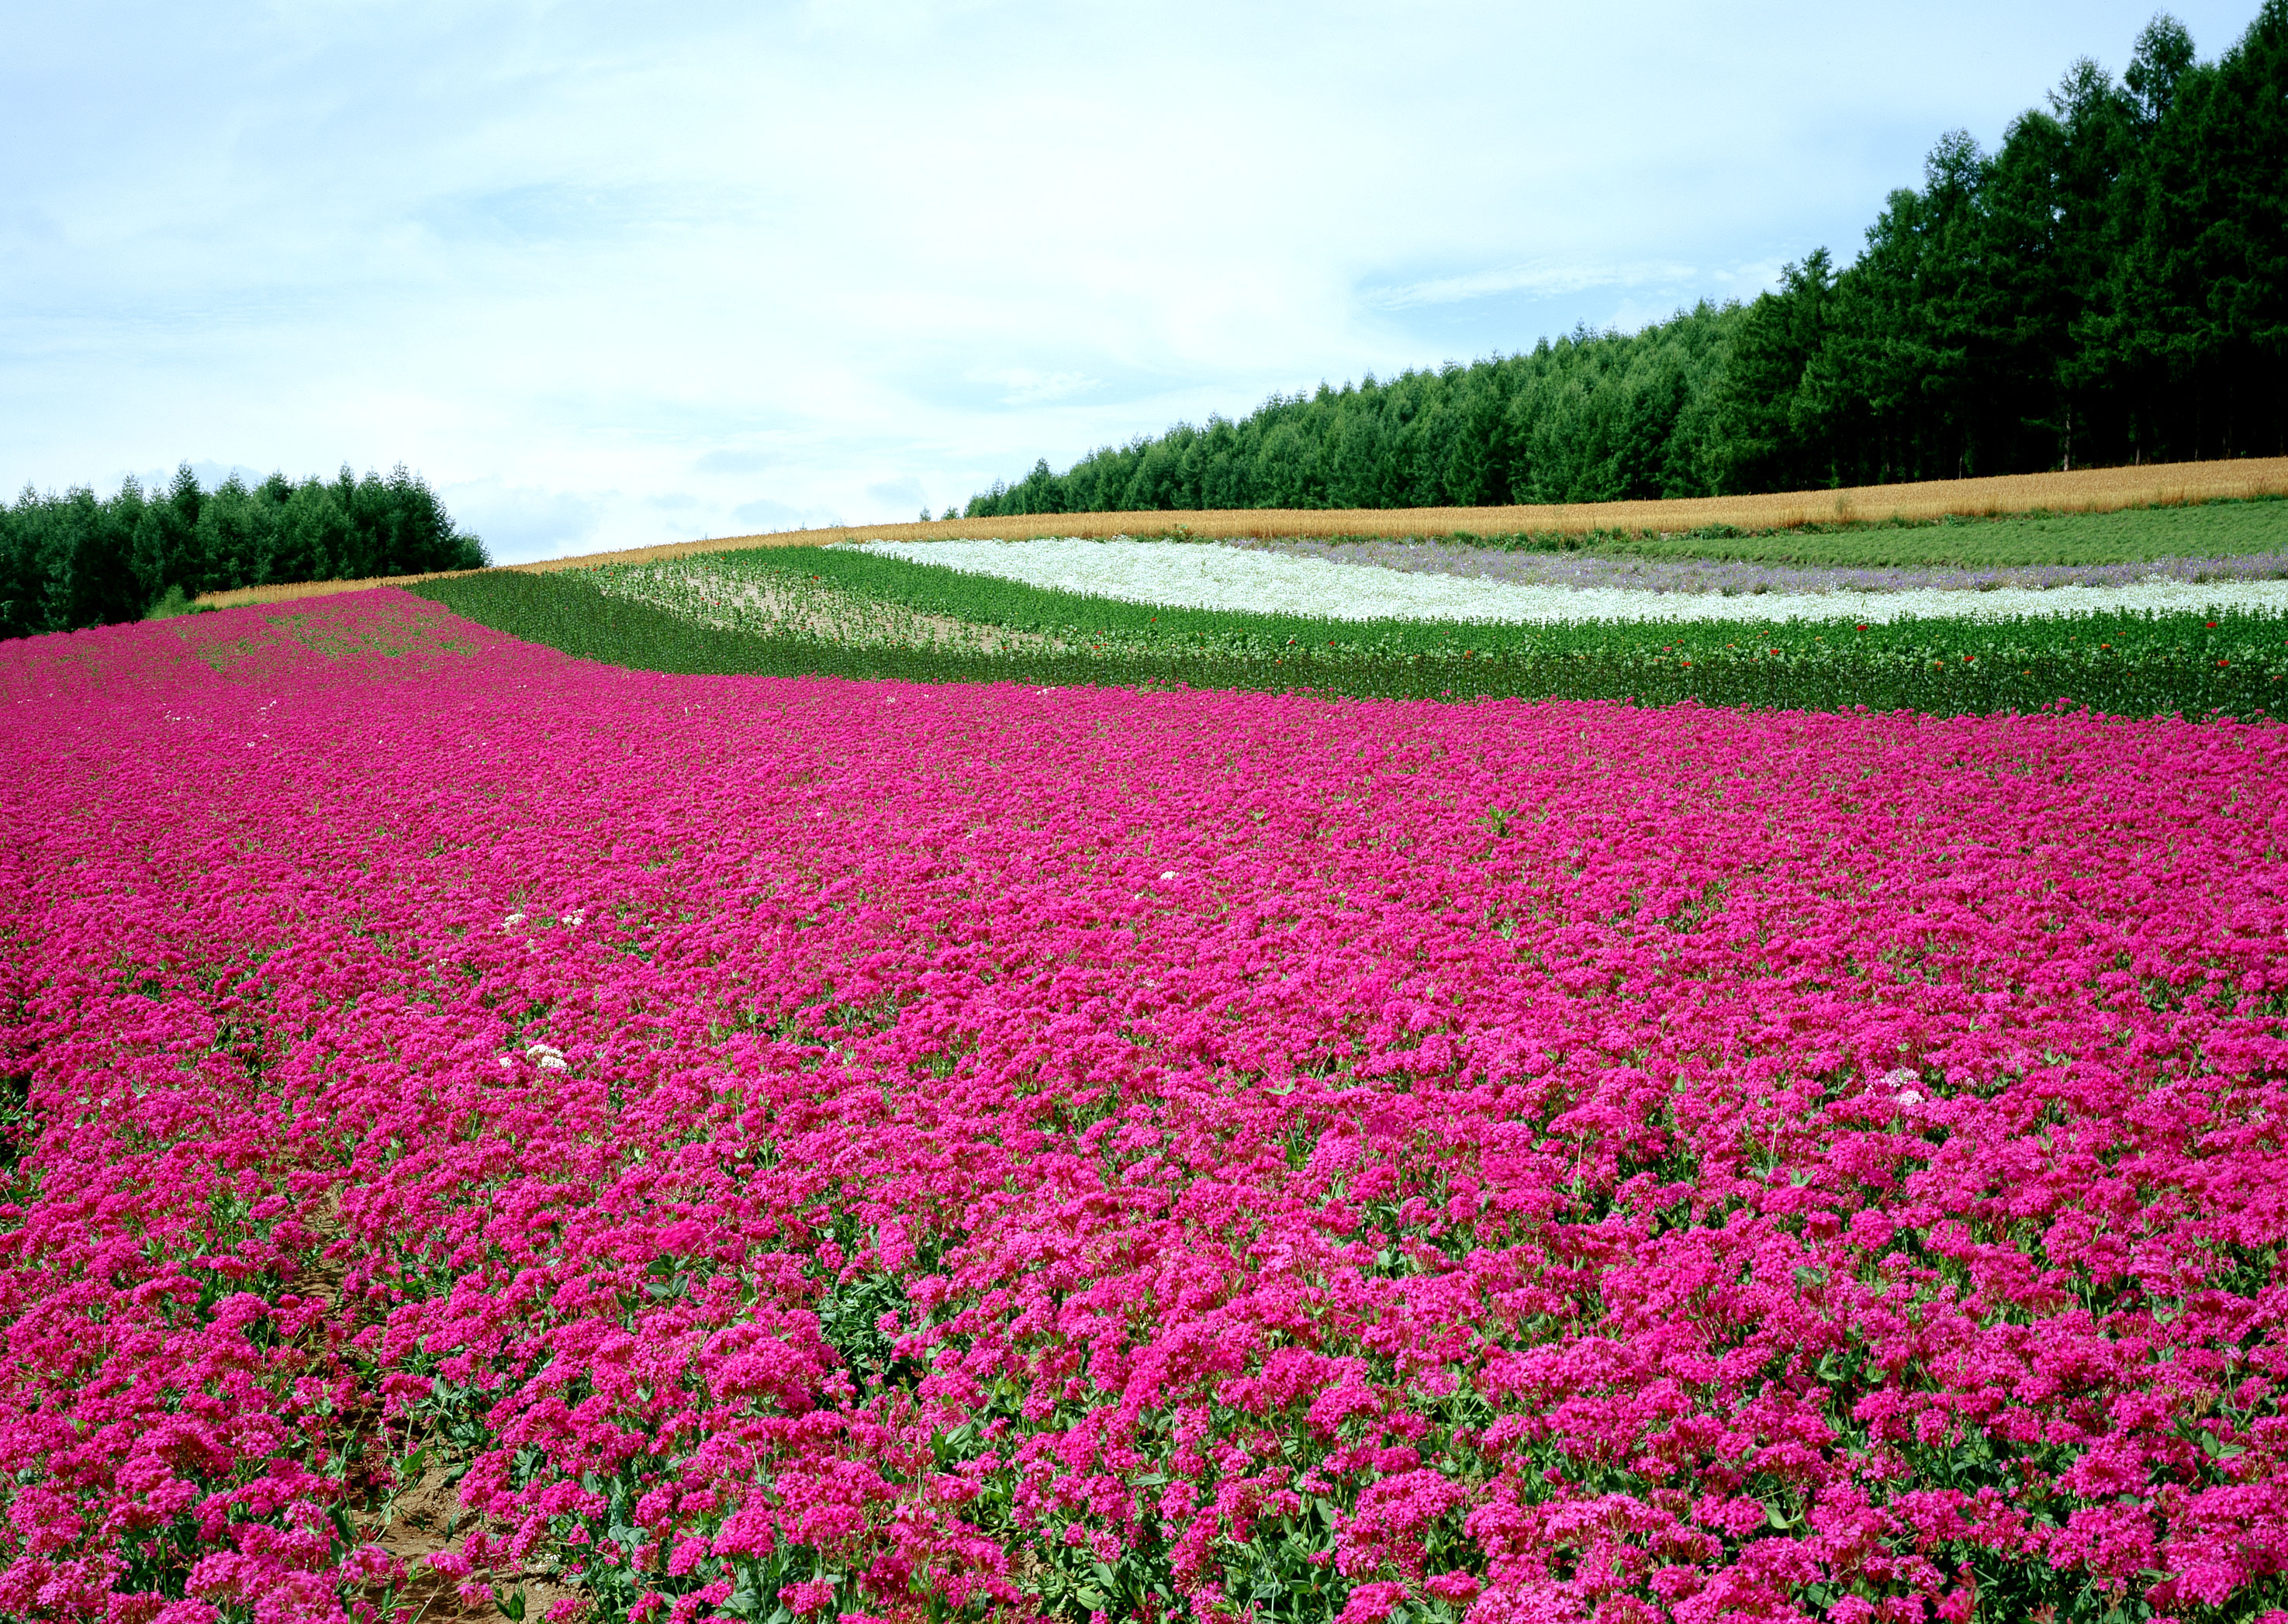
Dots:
(78, 560)
(2111, 286)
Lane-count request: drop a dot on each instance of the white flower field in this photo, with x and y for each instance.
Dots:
(1202, 576)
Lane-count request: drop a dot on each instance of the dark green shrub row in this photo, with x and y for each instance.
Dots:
(78, 560)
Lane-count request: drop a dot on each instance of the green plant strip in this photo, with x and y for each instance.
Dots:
(2132, 536)
(2223, 528)
(2232, 663)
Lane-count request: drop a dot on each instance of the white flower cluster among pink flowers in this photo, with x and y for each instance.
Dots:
(1145, 1155)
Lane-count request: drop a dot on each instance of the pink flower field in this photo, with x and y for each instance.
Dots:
(768, 1149)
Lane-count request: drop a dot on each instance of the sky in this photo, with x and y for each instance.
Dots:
(606, 275)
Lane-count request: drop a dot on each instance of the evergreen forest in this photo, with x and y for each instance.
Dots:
(2111, 286)
(78, 560)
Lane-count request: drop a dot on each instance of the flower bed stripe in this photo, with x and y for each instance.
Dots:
(1199, 575)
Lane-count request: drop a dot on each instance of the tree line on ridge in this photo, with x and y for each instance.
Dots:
(77, 559)
(2110, 286)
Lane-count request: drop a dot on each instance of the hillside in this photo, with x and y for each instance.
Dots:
(2109, 285)
(2084, 491)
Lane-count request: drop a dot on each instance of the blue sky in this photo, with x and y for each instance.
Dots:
(614, 274)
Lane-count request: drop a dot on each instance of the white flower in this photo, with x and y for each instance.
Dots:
(550, 1058)
(513, 921)
(1186, 575)
(1168, 874)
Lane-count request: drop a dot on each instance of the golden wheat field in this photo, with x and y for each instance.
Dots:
(2093, 490)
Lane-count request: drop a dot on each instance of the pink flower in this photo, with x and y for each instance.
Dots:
(810, 1596)
(1370, 1603)
(891, 1162)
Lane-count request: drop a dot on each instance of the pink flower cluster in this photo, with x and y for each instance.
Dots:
(901, 1152)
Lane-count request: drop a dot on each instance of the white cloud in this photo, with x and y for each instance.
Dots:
(1543, 281)
(1023, 385)
(766, 515)
(894, 494)
(522, 523)
(732, 460)
(570, 257)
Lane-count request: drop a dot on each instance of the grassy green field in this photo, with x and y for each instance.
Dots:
(922, 623)
(2208, 530)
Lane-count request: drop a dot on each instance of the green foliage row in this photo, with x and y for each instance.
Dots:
(2229, 662)
(77, 559)
(2111, 285)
